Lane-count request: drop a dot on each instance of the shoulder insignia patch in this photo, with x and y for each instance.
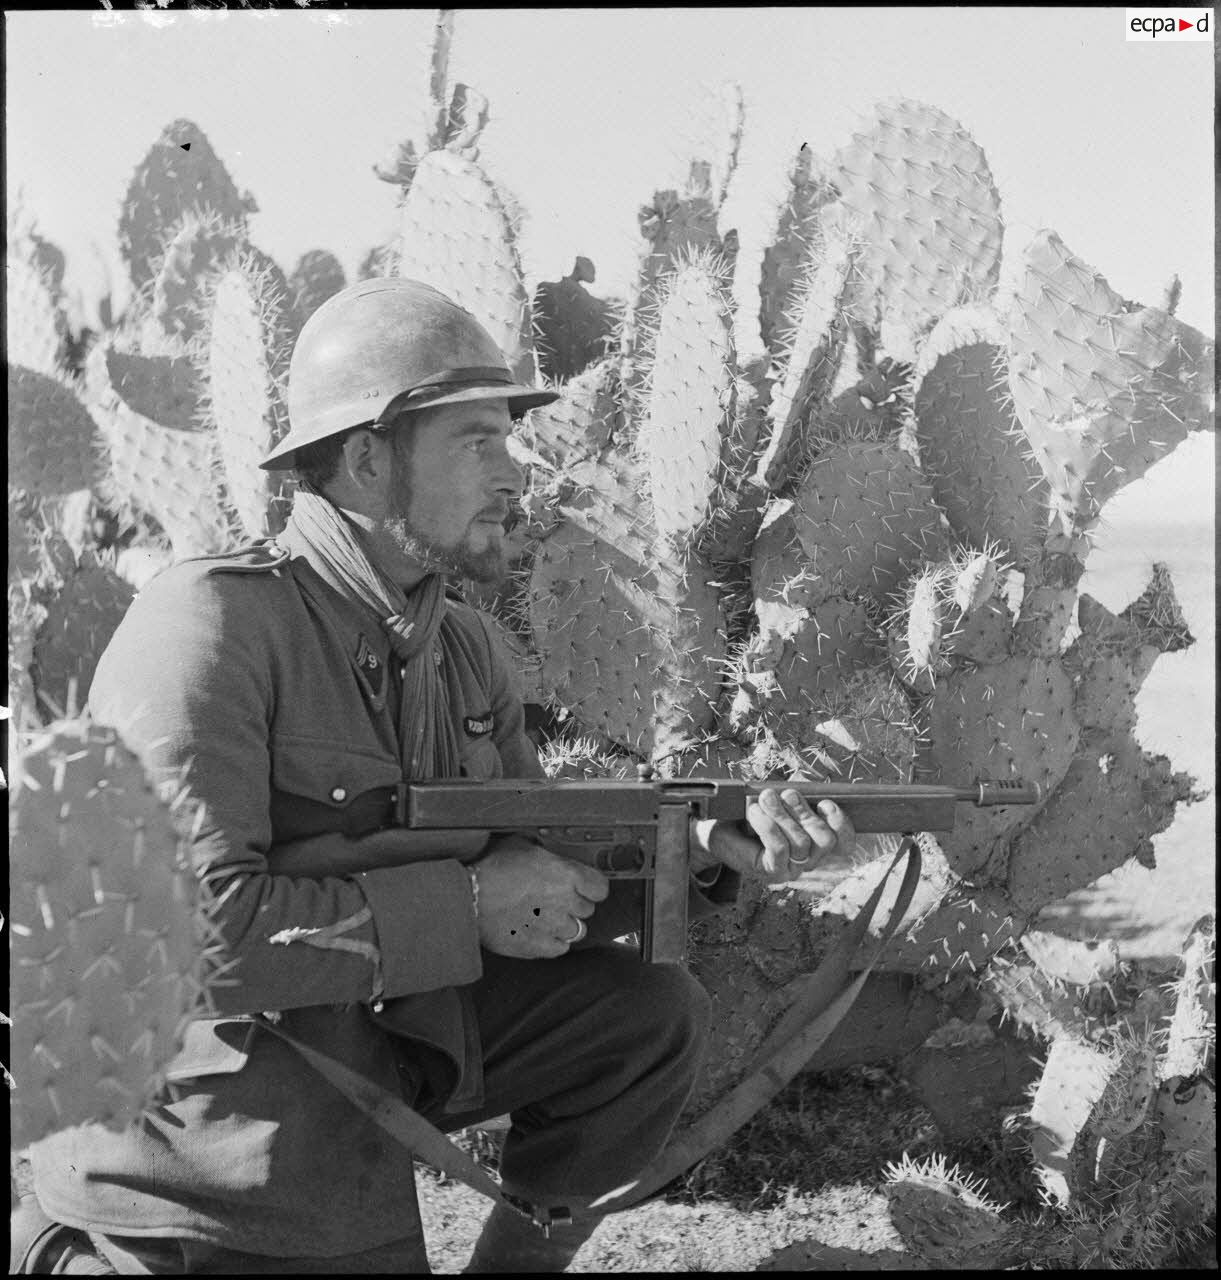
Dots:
(477, 726)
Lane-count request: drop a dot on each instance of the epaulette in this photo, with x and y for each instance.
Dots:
(255, 557)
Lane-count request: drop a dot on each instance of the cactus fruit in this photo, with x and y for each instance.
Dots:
(456, 234)
(181, 172)
(922, 619)
(108, 933)
(976, 581)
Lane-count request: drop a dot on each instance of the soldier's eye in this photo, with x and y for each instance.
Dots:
(890, 399)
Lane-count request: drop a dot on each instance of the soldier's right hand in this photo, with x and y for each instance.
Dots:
(533, 904)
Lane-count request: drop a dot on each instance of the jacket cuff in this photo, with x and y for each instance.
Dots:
(427, 934)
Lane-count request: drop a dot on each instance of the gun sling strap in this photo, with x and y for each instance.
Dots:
(820, 1005)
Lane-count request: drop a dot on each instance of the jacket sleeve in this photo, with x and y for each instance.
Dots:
(188, 682)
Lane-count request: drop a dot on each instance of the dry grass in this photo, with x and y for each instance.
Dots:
(798, 1188)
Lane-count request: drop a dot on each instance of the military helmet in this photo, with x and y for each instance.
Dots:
(384, 346)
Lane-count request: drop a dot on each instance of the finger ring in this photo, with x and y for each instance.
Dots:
(800, 862)
(576, 937)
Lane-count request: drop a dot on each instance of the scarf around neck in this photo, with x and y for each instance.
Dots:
(411, 620)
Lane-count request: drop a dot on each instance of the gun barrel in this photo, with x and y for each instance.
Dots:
(503, 804)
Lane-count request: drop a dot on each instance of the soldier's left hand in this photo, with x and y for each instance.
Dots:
(784, 836)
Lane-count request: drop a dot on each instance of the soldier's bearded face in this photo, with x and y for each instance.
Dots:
(451, 489)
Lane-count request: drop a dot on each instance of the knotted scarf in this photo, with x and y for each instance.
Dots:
(412, 622)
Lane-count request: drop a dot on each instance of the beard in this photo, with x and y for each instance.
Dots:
(488, 566)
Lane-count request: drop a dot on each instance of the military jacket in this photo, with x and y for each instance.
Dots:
(273, 698)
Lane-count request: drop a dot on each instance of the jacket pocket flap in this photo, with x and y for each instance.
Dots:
(326, 771)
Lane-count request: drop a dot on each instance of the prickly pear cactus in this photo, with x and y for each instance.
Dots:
(181, 172)
(79, 620)
(919, 187)
(1103, 388)
(37, 326)
(107, 934)
(318, 275)
(944, 1215)
(573, 329)
(53, 442)
(456, 234)
(901, 599)
(243, 366)
(168, 472)
(794, 245)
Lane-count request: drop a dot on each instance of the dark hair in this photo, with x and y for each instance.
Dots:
(318, 463)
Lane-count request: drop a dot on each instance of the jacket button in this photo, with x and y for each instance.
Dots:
(339, 794)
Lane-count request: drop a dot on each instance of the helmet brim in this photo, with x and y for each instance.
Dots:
(521, 400)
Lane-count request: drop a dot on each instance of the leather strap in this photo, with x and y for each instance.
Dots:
(820, 1005)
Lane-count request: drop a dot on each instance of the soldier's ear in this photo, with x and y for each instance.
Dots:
(368, 459)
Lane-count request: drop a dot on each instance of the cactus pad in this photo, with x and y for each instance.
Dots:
(53, 442)
(679, 440)
(864, 514)
(629, 649)
(107, 933)
(1012, 720)
(971, 445)
(181, 172)
(922, 192)
(1103, 389)
(243, 364)
(456, 234)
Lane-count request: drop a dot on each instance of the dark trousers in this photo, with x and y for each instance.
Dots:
(593, 1055)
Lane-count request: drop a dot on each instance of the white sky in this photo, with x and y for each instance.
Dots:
(1108, 142)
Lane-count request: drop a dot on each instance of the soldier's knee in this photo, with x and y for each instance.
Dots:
(665, 998)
